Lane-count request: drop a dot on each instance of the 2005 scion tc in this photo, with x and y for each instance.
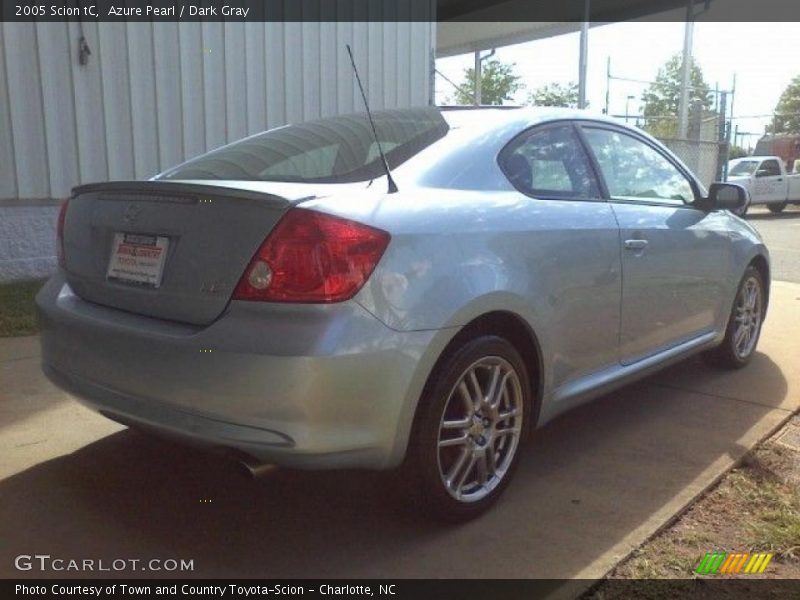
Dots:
(277, 298)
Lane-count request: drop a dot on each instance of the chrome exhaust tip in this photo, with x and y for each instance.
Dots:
(254, 468)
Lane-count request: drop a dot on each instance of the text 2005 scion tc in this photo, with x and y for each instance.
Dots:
(272, 298)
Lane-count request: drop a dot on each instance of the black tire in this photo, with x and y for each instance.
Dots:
(424, 469)
(741, 212)
(726, 355)
(776, 208)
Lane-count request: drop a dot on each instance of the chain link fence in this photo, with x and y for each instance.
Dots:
(704, 150)
(702, 157)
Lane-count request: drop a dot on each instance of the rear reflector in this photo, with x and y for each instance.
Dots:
(62, 216)
(312, 257)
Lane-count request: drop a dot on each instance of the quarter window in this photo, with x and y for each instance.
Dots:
(550, 163)
(634, 170)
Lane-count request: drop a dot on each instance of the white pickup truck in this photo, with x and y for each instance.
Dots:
(766, 179)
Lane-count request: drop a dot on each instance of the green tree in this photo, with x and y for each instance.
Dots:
(661, 100)
(736, 152)
(787, 112)
(555, 94)
(499, 82)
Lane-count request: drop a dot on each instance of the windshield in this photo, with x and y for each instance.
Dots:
(745, 167)
(334, 150)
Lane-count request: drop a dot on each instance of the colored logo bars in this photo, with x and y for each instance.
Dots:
(724, 562)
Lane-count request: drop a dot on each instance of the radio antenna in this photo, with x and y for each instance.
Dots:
(392, 184)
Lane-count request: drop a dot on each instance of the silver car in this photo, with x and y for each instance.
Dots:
(272, 298)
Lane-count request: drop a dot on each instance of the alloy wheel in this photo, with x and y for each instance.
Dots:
(748, 318)
(480, 429)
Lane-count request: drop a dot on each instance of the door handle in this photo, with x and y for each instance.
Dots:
(635, 244)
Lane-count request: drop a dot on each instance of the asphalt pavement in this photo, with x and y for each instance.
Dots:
(781, 233)
(591, 487)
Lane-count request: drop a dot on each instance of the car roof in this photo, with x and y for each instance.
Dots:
(524, 117)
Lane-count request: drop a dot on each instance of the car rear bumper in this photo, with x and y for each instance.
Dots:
(304, 386)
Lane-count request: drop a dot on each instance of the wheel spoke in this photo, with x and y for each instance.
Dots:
(477, 394)
(737, 338)
(507, 415)
(501, 393)
(460, 424)
(752, 296)
(466, 471)
(507, 431)
(493, 385)
(491, 460)
(458, 441)
(456, 468)
(742, 346)
(483, 469)
(466, 397)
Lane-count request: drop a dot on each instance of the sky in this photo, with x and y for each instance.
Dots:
(762, 56)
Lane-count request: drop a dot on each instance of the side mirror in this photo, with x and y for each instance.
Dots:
(727, 196)
(762, 173)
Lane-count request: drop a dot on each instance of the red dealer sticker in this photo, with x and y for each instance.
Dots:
(138, 258)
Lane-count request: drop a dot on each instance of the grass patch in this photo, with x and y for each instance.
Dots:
(17, 311)
(773, 501)
(755, 508)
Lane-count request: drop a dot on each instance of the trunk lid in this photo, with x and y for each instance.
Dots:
(208, 233)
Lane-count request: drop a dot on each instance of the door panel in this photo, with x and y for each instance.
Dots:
(672, 255)
(672, 284)
(568, 247)
(769, 184)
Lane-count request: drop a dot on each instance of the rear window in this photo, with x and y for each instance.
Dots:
(334, 150)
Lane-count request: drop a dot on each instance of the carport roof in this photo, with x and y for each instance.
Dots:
(469, 25)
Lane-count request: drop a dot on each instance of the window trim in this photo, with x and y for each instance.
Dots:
(590, 124)
(519, 138)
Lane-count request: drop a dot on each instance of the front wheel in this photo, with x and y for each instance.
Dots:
(466, 438)
(744, 324)
(776, 208)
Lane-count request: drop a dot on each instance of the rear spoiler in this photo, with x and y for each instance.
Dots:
(189, 191)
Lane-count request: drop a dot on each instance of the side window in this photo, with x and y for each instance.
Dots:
(634, 170)
(551, 163)
(771, 167)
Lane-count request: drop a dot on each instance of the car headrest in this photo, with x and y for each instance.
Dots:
(518, 170)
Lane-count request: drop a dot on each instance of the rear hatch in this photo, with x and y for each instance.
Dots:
(171, 250)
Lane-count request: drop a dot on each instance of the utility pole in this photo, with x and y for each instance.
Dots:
(477, 98)
(683, 117)
(479, 75)
(724, 139)
(608, 82)
(584, 54)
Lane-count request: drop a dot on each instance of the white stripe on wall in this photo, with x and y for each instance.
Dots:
(155, 94)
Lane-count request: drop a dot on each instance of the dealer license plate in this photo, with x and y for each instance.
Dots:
(138, 258)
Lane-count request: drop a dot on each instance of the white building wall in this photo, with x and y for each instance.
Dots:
(155, 94)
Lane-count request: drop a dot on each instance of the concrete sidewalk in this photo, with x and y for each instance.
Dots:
(592, 486)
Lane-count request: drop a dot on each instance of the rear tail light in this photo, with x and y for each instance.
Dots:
(312, 257)
(62, 215)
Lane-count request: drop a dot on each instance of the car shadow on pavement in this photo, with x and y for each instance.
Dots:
(787, 213)
(24, 390)
(586, 482)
